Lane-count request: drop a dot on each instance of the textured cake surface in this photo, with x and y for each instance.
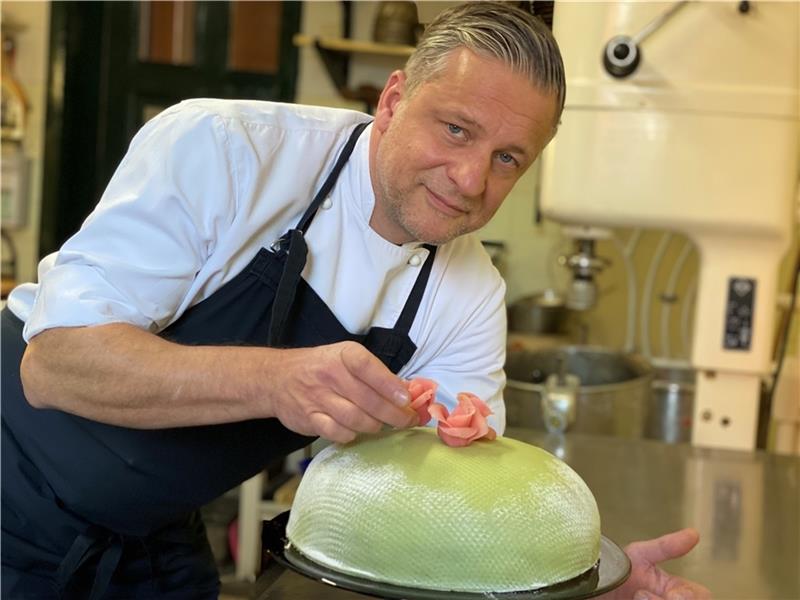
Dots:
(404, 508)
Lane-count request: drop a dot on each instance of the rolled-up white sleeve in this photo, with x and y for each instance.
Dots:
(475, 364)
(465, 347)
(137, 254)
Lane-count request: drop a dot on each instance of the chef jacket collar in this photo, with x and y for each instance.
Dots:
(356, 174)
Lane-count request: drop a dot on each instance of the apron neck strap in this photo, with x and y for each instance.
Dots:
(406, 318)
(294, 244)
(330, 181)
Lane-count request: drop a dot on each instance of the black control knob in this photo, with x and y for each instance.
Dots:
(621, 56)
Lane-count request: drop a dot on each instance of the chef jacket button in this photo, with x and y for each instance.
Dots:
(327, 203)
(415, 260)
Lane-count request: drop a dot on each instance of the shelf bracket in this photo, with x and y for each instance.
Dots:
(336, 63)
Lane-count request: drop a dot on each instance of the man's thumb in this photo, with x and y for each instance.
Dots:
(666, 547)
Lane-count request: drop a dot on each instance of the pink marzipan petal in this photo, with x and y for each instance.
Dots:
(459, 420)
(459, 432)
(438, 412)
(421, 404)
(423, 393)
(482, 407)
(463, 426)
(419, 385)
(467, 422)
(455, 442)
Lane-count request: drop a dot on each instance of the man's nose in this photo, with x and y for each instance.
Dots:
(469, 171)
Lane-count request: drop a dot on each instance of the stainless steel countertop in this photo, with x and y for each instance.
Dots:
(744, 504)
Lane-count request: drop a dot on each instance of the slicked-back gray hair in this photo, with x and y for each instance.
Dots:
(496, 30)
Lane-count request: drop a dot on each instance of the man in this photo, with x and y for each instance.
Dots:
(255, 274)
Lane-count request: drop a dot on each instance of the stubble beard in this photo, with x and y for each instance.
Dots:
(397, 207)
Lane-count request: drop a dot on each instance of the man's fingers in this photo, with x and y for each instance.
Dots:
(328, 428)
(648, 582)
(688, 591)
(351, 416)
(366, 367)
(666, 547)
(373, 404)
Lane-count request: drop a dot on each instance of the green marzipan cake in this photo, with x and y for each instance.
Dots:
(403, 508)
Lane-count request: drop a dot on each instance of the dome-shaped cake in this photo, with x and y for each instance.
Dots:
(403, 508)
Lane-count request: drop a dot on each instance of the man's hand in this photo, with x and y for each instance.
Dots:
(122, 375)
(648, 582)
(337, 391)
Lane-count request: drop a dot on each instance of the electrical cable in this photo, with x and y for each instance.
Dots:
(647, 294)
(630, 329)
(630, 248)
(669, 297)
(632, 241)
(688, 303)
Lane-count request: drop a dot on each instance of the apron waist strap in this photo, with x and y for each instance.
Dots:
(94, 541)
(108, 546)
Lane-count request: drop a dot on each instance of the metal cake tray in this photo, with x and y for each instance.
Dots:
(610, 571)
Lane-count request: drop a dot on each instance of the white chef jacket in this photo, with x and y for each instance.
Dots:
(206, 183)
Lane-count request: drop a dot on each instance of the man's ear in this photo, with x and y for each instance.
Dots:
(390, 97)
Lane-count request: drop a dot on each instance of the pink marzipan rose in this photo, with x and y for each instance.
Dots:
(423, 392)
(466, 423)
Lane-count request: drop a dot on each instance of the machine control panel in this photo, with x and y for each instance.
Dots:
(739, 313)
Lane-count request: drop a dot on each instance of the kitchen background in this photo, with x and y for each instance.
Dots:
(90, 73)
(81, 55)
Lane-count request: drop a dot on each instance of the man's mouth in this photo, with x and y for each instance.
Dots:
(444, 205)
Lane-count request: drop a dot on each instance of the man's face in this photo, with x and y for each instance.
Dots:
(443, 159)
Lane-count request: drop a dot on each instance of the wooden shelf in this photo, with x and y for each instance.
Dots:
(336, 54)
(352, 46)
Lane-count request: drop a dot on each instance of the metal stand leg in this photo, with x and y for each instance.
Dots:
(249, 546)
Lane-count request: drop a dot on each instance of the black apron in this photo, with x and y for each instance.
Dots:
(98, 511)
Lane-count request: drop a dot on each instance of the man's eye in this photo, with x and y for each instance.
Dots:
(506, 158)
(454, 129)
